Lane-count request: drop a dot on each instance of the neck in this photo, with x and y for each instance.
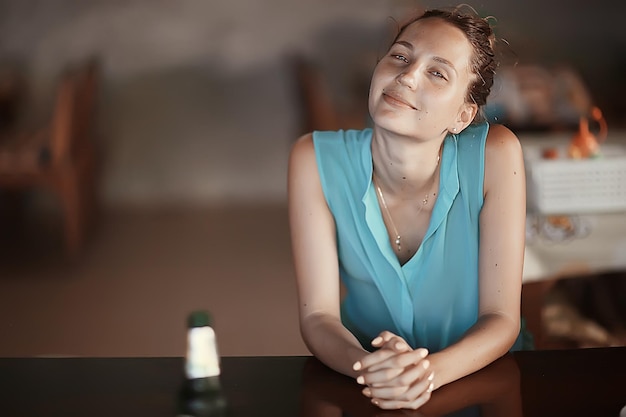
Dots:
(405, 167)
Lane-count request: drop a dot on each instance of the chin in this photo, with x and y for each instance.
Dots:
(395, 123)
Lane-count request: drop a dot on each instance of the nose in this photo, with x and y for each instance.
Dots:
(408, 78)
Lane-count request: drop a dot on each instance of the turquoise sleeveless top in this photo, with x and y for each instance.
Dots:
(432, 299)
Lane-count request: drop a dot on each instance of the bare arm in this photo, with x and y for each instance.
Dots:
(501, 257)
(315, 258)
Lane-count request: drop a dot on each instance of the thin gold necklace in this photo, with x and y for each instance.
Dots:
(398, 240)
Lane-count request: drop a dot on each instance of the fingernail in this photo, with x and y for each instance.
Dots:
(431, 387)
(399, 345)
(357, 365)
(431, 376)
(423, 352)
(367, 392)
(375, 402)
(426, 363)
(360, 380)
(377, 340)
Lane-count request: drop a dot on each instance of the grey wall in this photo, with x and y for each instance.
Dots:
(198, 104)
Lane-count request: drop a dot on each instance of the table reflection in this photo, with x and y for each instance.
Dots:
(492, 392)
(555, 383)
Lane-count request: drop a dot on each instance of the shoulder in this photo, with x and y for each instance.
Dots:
(302, 153)
(303, 183)
(302, 145)
(503, 154)
(501, 145)
(307, 145)
(333, 146)
(472, 140)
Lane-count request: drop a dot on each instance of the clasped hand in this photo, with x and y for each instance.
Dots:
(396, 376)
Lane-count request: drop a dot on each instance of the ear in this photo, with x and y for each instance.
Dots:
(466, 115)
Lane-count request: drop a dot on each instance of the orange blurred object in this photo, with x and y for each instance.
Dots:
(550, 153)
(585, 144)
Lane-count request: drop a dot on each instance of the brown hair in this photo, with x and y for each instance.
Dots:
(481, 37)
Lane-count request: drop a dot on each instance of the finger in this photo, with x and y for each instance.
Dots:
(388, 339)
(396, 404)
(373, 358)
(383, 337)
(403, 386)
(370, 359)
(395, 343)
(413, 398)
(404, 392)
(379, 378)
(398, 360)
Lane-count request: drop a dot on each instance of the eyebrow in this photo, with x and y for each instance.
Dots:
(439, 59)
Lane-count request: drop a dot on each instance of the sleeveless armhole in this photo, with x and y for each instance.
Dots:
(319, 138)
(472, 142)
(481, 170)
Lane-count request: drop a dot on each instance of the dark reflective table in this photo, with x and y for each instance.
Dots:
(584, 382)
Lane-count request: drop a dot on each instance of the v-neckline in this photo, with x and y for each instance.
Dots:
(447, 190)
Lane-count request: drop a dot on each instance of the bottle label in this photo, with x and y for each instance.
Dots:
(202, 357)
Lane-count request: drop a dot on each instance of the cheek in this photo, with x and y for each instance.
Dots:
(375, 80)
(375, 89)
(446, 97)
(383, 74)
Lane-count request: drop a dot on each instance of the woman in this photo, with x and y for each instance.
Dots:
(421, 218)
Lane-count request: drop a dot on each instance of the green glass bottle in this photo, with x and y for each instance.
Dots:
(201, 394)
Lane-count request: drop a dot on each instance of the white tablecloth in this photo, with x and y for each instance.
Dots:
(599, 244)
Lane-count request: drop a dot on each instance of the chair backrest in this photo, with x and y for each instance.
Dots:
(74, 109)
(86, 97)
(318, 109)
(61, 127)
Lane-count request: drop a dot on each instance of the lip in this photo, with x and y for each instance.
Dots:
(395, 99)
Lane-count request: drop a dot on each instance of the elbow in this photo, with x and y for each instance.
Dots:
(307, 335)
(311, 326)
(507, 329)
(511, 332)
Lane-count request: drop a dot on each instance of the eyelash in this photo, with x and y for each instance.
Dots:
(438, 75)
(400, 57)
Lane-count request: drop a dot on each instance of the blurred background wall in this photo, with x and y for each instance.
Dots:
(198, 102)
(198, 108)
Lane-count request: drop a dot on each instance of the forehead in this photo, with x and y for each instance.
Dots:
(436, 36)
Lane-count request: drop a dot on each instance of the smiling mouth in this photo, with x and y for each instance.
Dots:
(397, 101)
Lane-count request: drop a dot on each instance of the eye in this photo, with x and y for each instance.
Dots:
(438, 74)
(400, 57)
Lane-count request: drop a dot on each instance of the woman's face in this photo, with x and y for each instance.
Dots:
(419, 87)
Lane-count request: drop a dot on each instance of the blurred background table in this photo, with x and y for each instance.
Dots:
(568, 245)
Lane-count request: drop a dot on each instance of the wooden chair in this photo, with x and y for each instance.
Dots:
(319, 109)
(61, 155)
